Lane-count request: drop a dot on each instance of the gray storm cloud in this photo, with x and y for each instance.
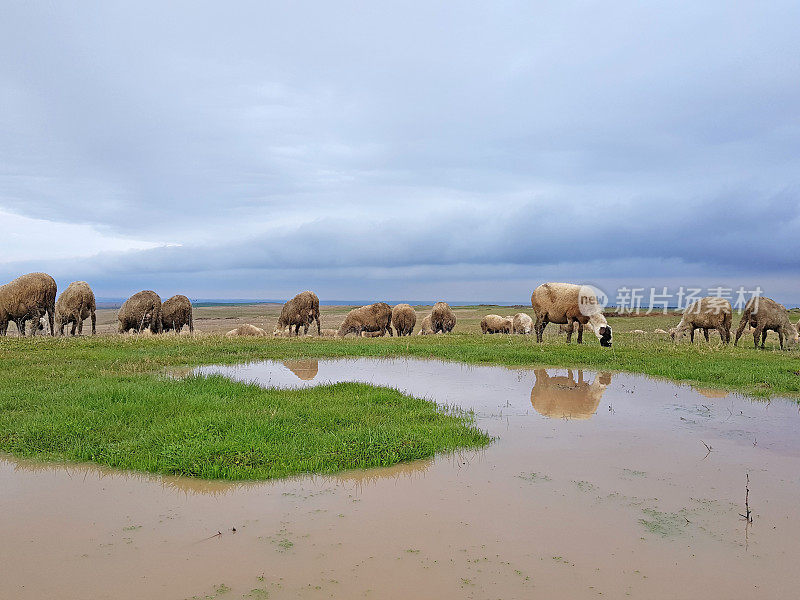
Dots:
(313, 140)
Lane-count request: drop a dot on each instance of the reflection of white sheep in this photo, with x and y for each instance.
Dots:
(559, 397)
(496, 324)
(567, 303)
(522, 323)
(707, 313)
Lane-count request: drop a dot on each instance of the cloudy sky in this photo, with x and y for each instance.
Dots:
(400, 150)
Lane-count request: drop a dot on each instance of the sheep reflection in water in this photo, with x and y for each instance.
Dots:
(561, 396)
(304, 369)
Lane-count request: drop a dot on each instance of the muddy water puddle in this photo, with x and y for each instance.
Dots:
(597, 485)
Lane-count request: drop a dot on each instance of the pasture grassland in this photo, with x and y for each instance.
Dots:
(110, 400)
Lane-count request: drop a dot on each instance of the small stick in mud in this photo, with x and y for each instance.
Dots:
(707, 448)
(748, 516)
(211, 537)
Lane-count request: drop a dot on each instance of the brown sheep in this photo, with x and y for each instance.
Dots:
(522, 323)
(442, 318)
(567, 303)
(75, 304)
(298, 312)
(496, 324)
(403, 318)
(373, 318)
(177, 312)
(141, 310)
(246, 330)
(765, 314)
(28, 297)
(707, 313)
(426, 328)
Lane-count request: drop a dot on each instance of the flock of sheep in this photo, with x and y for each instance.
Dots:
(33, 296)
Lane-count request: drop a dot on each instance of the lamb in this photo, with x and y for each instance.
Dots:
(567, 303)
(141, 310)
(426, 328)
(765, 314)
(28, 297)
(328, 333)
(372, 318)
(74, 305)
(403, 318)
(662, 331)
(442, 318)
(246, 330)
(177, 312)
(298, 312)
(707, 313)
(639, 331)
(522, 323)
(496, 324)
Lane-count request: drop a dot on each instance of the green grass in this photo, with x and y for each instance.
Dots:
(108, 400)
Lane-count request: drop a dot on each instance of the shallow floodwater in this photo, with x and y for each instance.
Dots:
(597, 484)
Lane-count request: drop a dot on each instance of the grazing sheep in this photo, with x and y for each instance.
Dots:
(567, 303)
(426, 328)
(246, 330)
(496, 324)
(707, 313)
(442, 318)
(560, 397)
(28, 297)
(141, 310)
(403, 319)
(373, 318)
(522, 323)
(75, 304)
(765, 314)
(177, 312)
(298, 312)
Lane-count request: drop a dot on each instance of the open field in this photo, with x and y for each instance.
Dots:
(108, 399)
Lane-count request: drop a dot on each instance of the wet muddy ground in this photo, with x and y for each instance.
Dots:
(598, 485)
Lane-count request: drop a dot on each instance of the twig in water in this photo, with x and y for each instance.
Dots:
(707, 448)
(748, 516)
(218, 534)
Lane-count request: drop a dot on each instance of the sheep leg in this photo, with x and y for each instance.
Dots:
(742, 324)
(389, 329)
(21, 327)
(757, 334)
(580, 332)
(725, 336)
(538, 327)
(780, 338)
(191, 324)
(74, 327)
(764, 333)
(569, 331)
(705, 333)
